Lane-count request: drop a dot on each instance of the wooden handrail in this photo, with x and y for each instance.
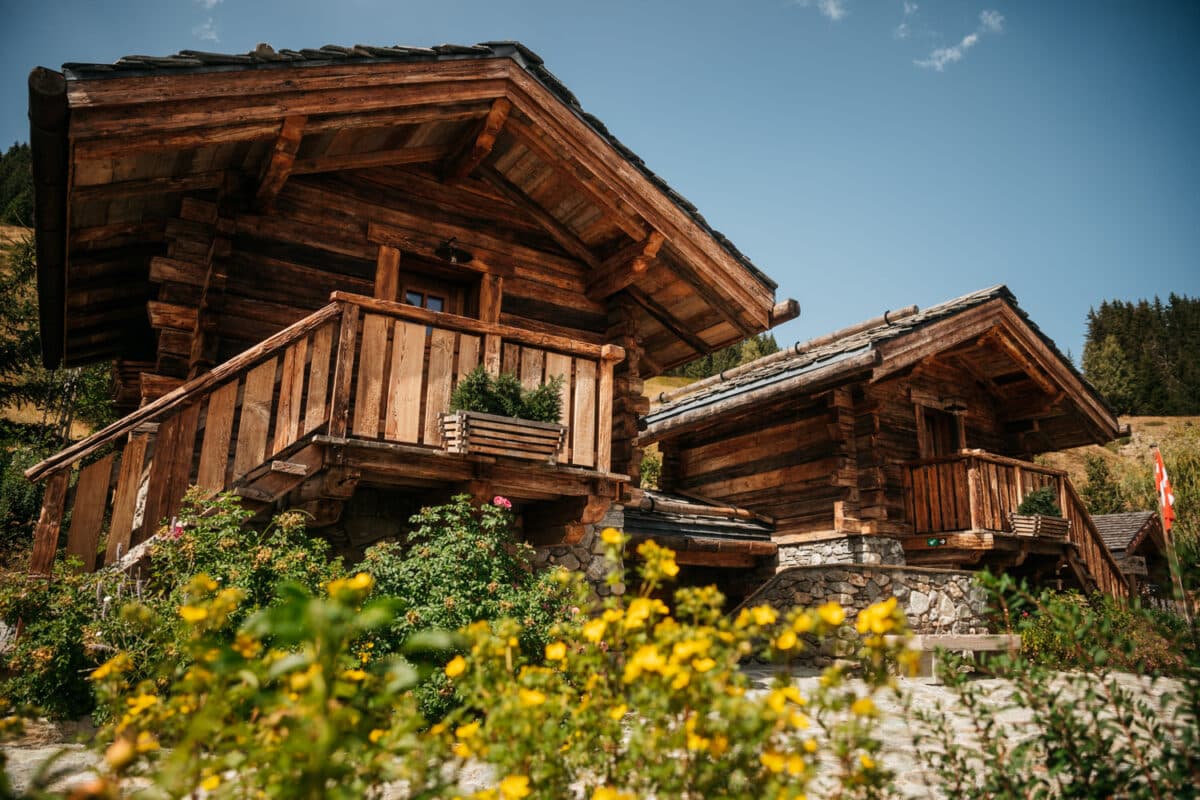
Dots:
(186, 392)
(981, 455)
(1102, 549)
(549, 341)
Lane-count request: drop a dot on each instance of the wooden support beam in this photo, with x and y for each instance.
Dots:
(379, 158)
(45, 535)
(171, 315)
(623, 267)
(387, 273)
(560, 233)
(784, 311)
(122, 190)
(663, 316)
(471, 156)
(279, 165)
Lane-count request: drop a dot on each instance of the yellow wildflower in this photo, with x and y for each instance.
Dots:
(611, 536)
(457, 666)
(763, 615)
(531, 697)
(120, 754)
(640, 609)
(786, 641)
(361, 582)
(795, 764)
(773, 761)
(866, 761)
(140, 703)
(514, 787)
(375, 735)
(718, 746)
(703, 664)
(193, 614)
(593, 631)
(146, 742)
(467, 731)
(810, 745)
(556, 651)
(863, 707)
(210, 783)
(609, 793)
(617, 712)
(246, 646)
(646, 659)
(354, 675)
(802, 624)
(877, 618)
(832, 613)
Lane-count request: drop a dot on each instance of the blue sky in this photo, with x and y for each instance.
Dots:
(867, 154)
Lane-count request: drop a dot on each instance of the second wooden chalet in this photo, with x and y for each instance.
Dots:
(293, 256)
(906, 439)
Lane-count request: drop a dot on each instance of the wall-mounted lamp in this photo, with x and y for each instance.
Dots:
(954, 405)
(447, 251)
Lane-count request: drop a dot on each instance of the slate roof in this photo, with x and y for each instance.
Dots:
(266, 57)
(1119, 530)
(829, 354)
(661, 523)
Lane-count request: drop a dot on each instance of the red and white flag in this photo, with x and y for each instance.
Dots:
(1162, 484)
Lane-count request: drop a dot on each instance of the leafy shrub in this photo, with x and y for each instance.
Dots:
(280, 707)
(459, 565)
(651, 470)
(77, 620)
(21, 446)
(503, 395)
(1090, 733)
(1040, 501)
(626, 698)
(1133, 639)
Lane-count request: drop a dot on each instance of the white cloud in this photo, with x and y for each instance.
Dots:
(206, 31)
(942, 56)
(209, 5)
(909, 8)
(901, 31)
(834, 9)
(991, 21)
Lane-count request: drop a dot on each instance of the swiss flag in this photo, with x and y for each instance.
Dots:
(1162, 484)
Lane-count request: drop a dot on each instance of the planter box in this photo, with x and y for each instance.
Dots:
(489, 434)
(1038, 525)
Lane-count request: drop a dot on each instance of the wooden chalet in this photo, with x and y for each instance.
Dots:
(1138, 544)
(292, 256)
(917, 426)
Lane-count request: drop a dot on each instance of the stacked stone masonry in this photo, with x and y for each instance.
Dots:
(842, 550)
(587, 556)
(935, 600)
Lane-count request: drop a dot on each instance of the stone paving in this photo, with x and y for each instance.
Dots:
(899, 755)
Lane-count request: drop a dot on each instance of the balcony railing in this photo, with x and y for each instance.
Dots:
(977, 491)
(358, 368)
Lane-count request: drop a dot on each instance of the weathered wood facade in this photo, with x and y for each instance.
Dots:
(293, 256)
(916, 425)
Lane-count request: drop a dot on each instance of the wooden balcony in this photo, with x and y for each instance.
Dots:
(351, 394)
(961, 508)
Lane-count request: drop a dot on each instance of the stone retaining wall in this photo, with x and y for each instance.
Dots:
(935, 600)
(587, 556)
(845, 549)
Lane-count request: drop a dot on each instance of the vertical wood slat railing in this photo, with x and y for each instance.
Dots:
(409, 360)
(358, 368)
(980, 491)
(209, 432)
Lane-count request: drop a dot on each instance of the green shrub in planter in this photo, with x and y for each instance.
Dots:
(1040, 501)
(503, 395)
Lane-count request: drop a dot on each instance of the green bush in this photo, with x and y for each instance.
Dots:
(503, 395)
(77, 620)
(1090, 732)
(460, 565)
(1040, 501)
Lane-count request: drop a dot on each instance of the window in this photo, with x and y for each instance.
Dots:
(940, 432)
(424, 300)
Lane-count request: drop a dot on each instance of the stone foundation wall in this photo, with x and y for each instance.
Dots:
(844, 549)
(586, 557)
(935, 600)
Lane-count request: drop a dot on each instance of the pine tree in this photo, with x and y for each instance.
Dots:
(1101, 492)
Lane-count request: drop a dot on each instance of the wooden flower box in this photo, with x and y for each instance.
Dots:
(489, 434)
(1040, 525)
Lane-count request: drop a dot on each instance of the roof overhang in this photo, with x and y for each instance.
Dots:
(164, 106)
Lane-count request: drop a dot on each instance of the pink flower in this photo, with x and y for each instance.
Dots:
(502, 502)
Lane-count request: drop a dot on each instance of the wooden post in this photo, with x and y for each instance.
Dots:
(91, 498)
(343, 375)
(387, 273)
(610, 356)
(491, 297)
(45, 535)
(975, 495)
